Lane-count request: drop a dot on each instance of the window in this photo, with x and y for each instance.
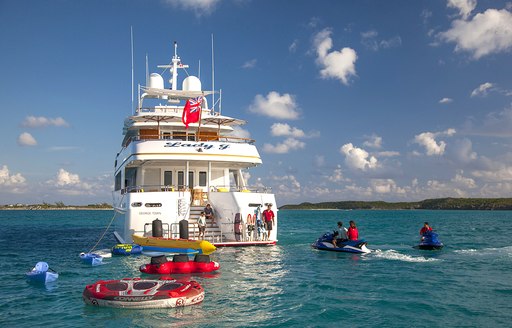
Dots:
(181, 179)
(191, 179)
(168, 178)
(118, 181)
(202, 179)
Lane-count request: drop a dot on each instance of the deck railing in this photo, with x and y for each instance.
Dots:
(177, 188)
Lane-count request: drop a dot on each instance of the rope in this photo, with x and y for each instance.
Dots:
(106, 229)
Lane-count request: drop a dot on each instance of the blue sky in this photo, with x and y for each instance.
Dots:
(347, 100)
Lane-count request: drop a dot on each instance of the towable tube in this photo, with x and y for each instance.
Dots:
(179, 264)
(160, 244)
(137, 293)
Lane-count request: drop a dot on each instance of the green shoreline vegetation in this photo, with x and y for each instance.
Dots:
(496, 204)
(56, 206)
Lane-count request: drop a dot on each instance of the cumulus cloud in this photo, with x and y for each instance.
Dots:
(445, 100)
(371, 41)
(463, 151)
(10, 180)
(428, 140)
(337, 175)
(276, 106)
(485, 34)
(41, 121)
(199, 7)
(335, 64)
(285, 147)
(482, 90)
(386, 186)
(26, 139)
(374, 141)
(465, 7)
(283, 129)
(358, 158)
(240, 133)
(65, 178)
(462, 182)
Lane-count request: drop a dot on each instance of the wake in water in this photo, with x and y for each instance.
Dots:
(394, 255)
(504, 251)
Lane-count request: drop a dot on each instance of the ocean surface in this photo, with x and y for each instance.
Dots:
(467, 284)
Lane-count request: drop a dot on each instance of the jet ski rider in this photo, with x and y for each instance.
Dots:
(339, 234)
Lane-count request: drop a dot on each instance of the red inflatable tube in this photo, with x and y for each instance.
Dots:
(179, 265)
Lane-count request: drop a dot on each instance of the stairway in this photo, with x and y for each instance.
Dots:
(213, 233)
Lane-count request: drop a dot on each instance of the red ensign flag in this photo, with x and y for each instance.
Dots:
(191, 111)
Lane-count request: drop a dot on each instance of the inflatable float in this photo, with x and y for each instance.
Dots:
(137, 293)
(172, 245)
(41, 273)
(180, 264)
(91, 258)
(126, 249)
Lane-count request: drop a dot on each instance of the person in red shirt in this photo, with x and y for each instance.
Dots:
(268, 217)
(426, 228)
(352, 232)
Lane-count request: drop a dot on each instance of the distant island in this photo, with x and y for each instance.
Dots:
(56, 206)
(496, 204)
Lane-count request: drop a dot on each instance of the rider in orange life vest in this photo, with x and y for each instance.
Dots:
(268, 217)
(352, 232)
(426, 228)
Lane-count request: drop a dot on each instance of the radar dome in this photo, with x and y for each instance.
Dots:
(191, 83)
(156, 81)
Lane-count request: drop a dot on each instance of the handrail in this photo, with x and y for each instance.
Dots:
(182, 188)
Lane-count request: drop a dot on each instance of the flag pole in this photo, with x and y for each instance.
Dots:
(200, 116)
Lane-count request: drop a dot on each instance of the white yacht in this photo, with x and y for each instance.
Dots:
(169, 173)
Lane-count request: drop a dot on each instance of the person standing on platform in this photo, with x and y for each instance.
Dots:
(201, 223)
(268, 216)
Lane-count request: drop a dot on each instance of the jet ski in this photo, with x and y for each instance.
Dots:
(429, 241)
(324, 243)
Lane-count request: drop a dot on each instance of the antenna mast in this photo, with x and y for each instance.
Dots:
(131, 37)
(213, 79)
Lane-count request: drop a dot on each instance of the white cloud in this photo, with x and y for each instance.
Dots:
(462, 182)
(337, 175)
(465, 7)
(445, 100)
(370, 40)
(26, 139)
(386, 186)
(293, 47)
(285, 147)
(503, 173)
(428, 140)
(388, 153)
(65, 178)
(283, 129)
(374, 141)
(199, 7)
(358, 158)
(276, 106)
(37, 122)
(482, 90)
(10, 180)
(250, 63)
(335, 64)
(240, 133)
(487, 33)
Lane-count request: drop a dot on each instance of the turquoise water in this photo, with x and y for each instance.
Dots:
(467, 284)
